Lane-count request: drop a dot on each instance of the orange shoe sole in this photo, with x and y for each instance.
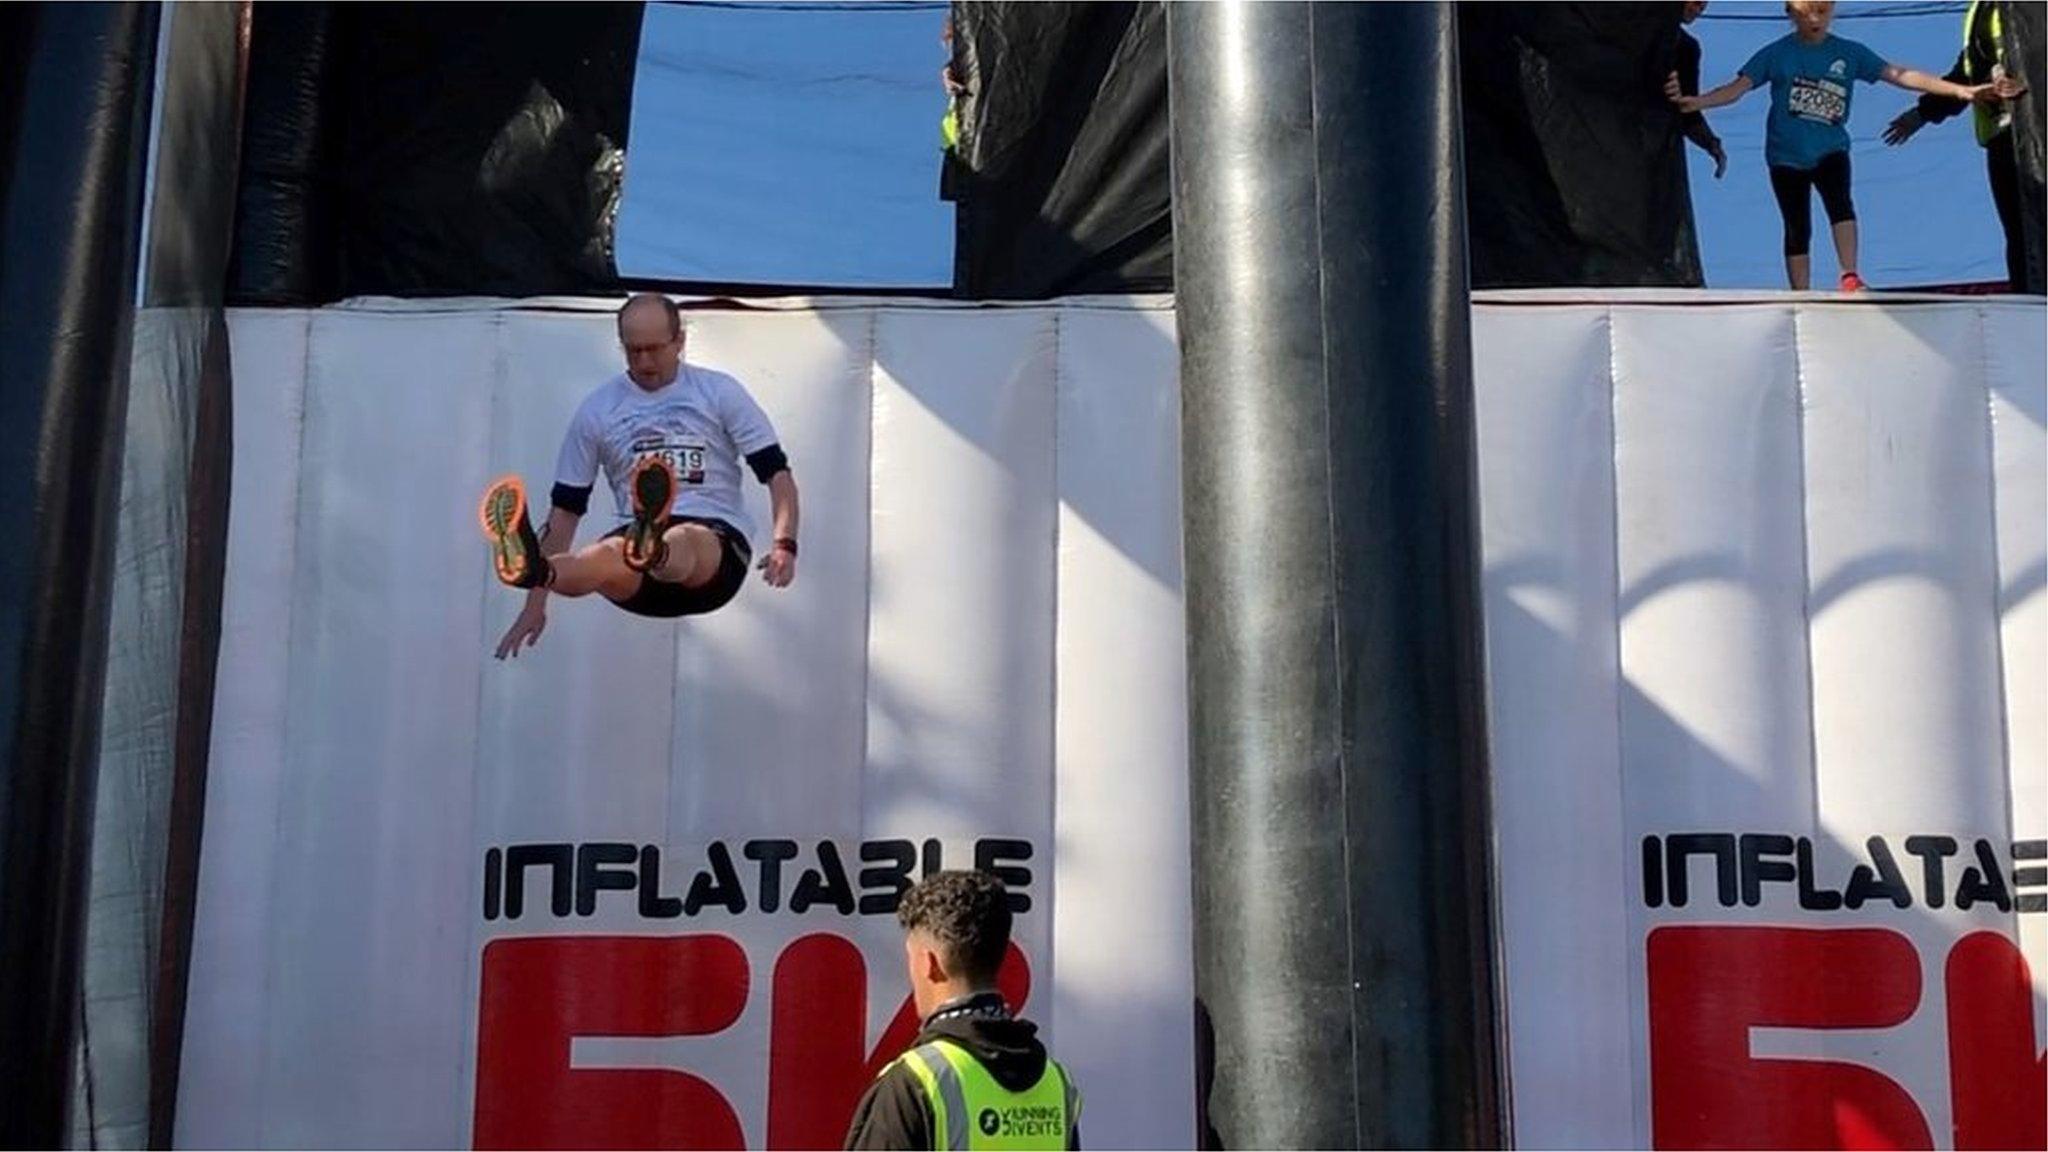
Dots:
(500, 514)
(650, 511)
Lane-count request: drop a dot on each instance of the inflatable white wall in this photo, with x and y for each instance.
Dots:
(1765, 623)
(1769, 652)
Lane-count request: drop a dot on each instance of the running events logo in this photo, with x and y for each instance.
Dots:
(1023, 1121)
(1838, 68)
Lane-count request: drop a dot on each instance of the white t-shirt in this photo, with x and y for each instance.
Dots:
(703, 421)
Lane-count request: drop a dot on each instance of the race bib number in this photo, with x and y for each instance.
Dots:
(686, 457)
(1822, 101)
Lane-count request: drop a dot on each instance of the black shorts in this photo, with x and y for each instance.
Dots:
(663, 599)
(1794, 188)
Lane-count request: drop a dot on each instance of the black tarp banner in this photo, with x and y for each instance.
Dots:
(420, 150)
(1575, 171)
(1063, 186)
(416, 151)
(169, 550)
(75, 83)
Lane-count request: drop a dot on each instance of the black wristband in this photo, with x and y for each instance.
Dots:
(786, 544)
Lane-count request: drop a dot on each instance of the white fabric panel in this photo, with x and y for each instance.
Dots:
(748, 722)
(1122, 731)
(227, 1013)
(1711, 559)
(1748, 568)
(374, 816)
(1547, 512)
(960, 585)
(961, 572)
(1711, 566)
(1905, 659)
(2018, 380)
(777, 688)
(566, 752)
(1899, 514)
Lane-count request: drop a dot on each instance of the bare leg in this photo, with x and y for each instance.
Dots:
(599, 567)
(1799, 272)
(694, 552)
(1845, 245)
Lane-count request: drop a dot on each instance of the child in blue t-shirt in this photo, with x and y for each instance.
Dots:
(1806, 140)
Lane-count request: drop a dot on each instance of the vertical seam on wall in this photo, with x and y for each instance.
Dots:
(465, 1052)
(1638, 1022)
(1050, 891)
(284, 728)
(1335, 570)
(870, 374)
(1799, 414)
(2004, 754)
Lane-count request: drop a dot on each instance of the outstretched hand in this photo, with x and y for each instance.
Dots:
(778, 567)
(525, 631)
(1903, 126)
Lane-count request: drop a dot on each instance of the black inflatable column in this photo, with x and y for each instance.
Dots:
(74, 120)
(1344, 959)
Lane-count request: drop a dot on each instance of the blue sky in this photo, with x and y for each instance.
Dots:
(788, 143)
(797, 142)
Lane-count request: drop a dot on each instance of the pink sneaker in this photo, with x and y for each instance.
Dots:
(1851, 282)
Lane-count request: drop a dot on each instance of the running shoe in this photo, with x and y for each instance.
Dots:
(653, 485)
(1851, 282)
(515, 550)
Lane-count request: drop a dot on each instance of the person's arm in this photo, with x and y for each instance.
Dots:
(1720, 97)
(892, 1115)
(1915, 80)
(1694, 126)
(575, 475)
(752, 434)
(1934, 109)
(779, 566)
(556, 537)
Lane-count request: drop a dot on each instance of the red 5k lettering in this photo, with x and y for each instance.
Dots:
(540, 993)
(1709, 986)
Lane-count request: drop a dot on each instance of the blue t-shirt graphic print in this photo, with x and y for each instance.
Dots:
(1811, 89)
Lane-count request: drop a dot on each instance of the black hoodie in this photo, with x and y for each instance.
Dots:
(895, 1114)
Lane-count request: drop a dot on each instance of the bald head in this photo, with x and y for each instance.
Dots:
(651, 333)
(641, 303)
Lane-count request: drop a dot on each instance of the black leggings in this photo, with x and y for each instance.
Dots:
(1795, 187)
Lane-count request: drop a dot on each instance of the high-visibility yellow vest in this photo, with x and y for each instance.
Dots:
(972, 1110)
(1989, 121)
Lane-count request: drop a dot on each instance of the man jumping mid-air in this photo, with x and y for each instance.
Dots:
(670, 438)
